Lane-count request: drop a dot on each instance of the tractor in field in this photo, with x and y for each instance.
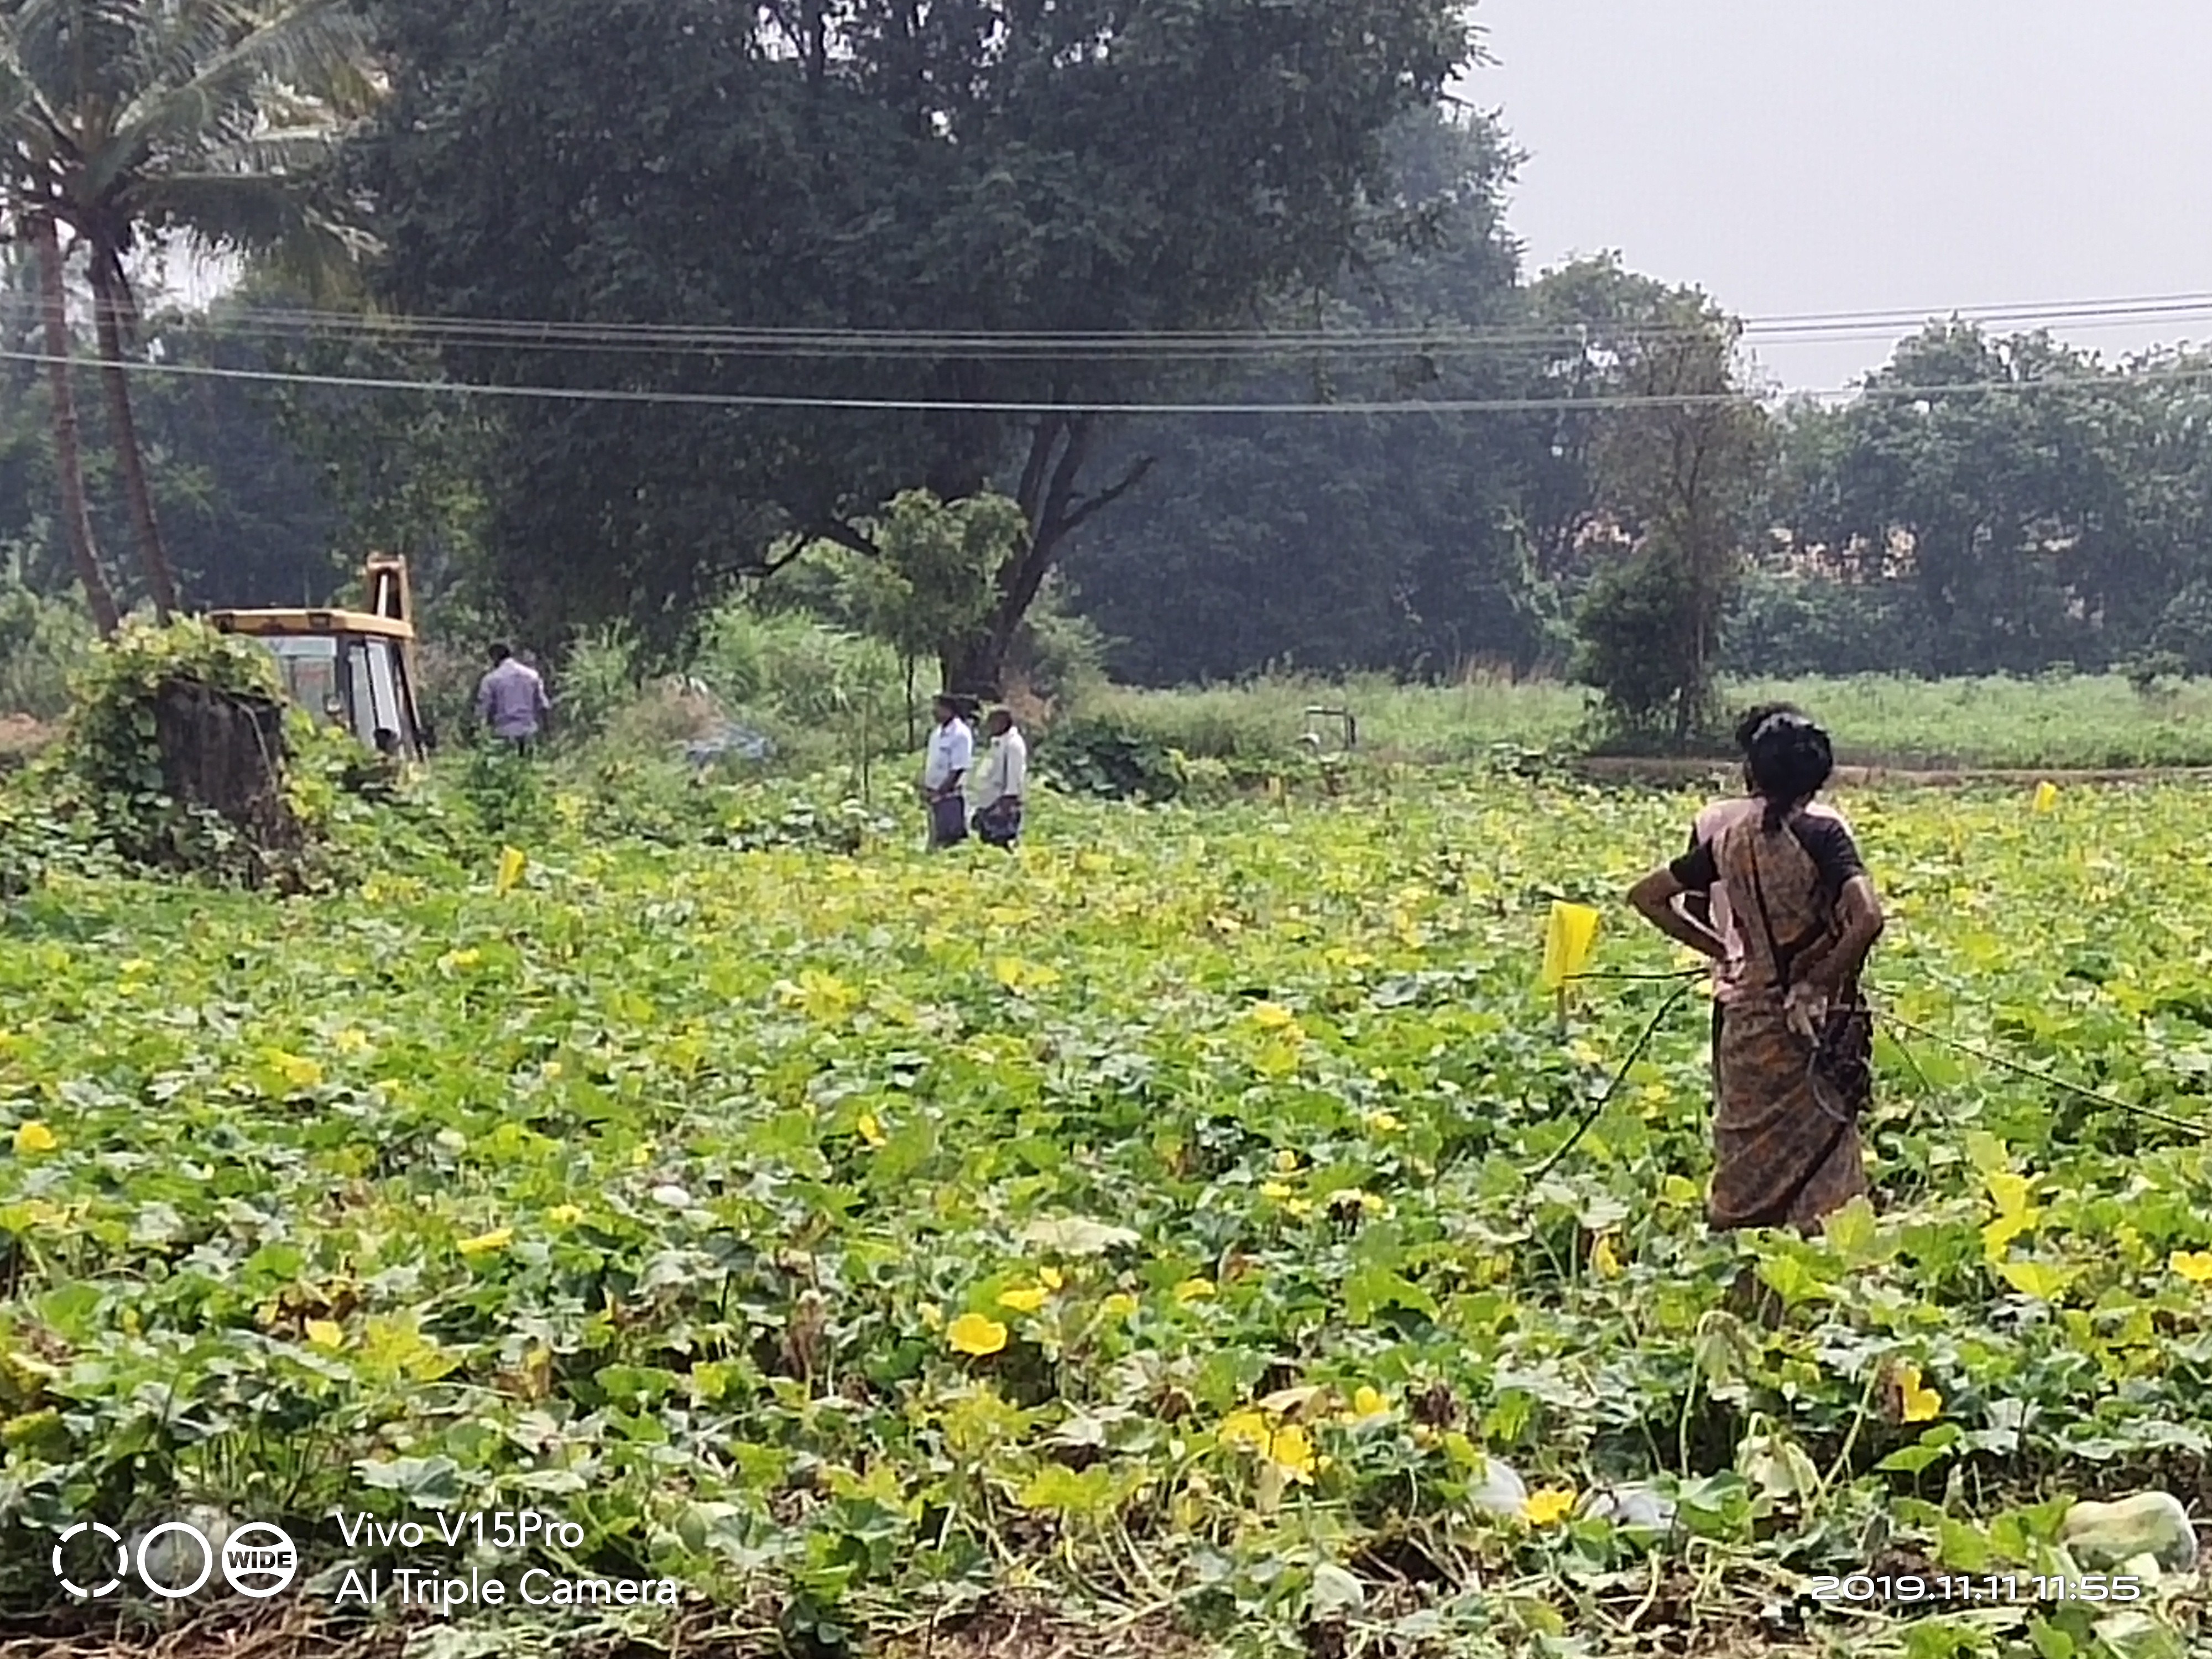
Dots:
(356, 668)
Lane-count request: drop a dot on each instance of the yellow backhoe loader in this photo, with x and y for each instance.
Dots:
(355, 667)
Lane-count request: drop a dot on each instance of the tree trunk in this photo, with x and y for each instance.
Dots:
(109, 299)
(1058, 449)
(226, 753)
(69, 461)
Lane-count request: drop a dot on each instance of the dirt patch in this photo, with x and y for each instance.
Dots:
(22, 737)
(305, 1631)
(1014, 1626)
(1032, 1628)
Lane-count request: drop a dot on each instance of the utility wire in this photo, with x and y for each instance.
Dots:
(2112, 1102)
(527, 333)
(1518, 406)
(2202, 1131)
(1613, 1087)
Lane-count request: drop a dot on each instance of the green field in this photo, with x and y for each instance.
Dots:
(2083, 721)
(1139, 1231)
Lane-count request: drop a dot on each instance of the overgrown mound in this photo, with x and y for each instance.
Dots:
(1110, 758)
(176, 752)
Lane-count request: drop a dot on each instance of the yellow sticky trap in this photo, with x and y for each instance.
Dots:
(2046, 796)
(1567, 942)
(511, 865)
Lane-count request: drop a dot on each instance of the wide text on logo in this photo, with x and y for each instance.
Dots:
(258, 1560)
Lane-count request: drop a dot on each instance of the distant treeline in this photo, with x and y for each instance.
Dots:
(1989, 505)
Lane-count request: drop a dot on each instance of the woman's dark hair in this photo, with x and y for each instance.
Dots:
(1790, 758)
(1753, 718)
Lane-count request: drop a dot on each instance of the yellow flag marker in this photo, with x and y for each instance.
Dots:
(512, 864)
(1567, 942)
(2046, 796)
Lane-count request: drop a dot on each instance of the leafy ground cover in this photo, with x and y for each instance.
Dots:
(1142, 1228)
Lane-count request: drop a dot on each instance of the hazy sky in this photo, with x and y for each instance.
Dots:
(1818, 155)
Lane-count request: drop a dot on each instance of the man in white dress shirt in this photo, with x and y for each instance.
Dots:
(1001, 783)
(951, 752)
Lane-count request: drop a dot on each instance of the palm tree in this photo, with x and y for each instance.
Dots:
(68, 462)
(194, 123)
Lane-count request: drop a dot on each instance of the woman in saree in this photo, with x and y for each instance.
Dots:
(1794, 1040)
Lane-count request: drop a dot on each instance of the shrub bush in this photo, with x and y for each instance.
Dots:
(1101, 756)
(42, 640)
(599, 680)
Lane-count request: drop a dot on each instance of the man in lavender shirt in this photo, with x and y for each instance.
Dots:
(511, 701)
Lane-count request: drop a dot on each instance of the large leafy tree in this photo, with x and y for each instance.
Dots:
(1671, 452)
(195, 123)
(1336, 540)
(2040, 506)
(953, 168)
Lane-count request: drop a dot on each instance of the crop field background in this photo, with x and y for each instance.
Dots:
(1136, 1237)
(2086, 721)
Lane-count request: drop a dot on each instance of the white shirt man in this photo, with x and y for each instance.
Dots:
(1006, 770)
(1002, 782)
(951, 752)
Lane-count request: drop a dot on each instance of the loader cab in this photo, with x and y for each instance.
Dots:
(354, 668)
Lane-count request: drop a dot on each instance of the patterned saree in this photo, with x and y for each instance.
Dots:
(1785, 1127)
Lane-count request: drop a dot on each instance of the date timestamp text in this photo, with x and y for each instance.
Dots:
(1907, 1589)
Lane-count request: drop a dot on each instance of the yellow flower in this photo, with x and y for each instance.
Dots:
(351, 1041)
(1050, 1277)
(2194, 1266)
(1549, 1505)
(35, 1137)
(1024, 1298)
(1294, 1449)
(932, 1315)
(1193, 1289)
(297, 1071)
(1919, 1405)
(564, 1215)
(973, 1333)
(1274, 1189)
(1603, 1261)
(1367, 1401)
(869, 1130)
(1244, 1428)
(1286, 1161)
(483, 1244)
(1384, 1124)
(1120, 1305)
(1270, 1015)
(326, 1333)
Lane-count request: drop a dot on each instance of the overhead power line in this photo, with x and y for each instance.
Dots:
(541, 334)
(984, 406)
